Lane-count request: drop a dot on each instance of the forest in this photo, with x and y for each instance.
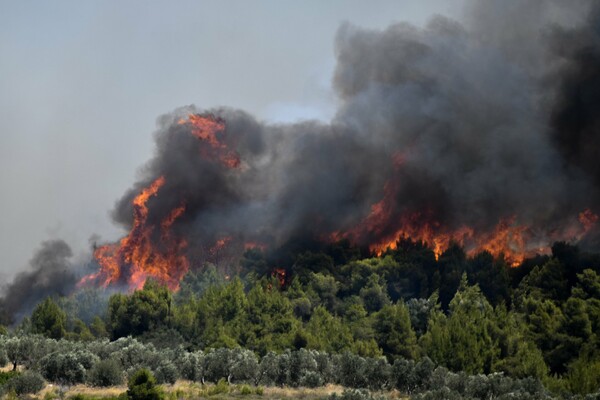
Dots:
(450, 327)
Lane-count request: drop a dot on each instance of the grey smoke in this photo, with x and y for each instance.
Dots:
(50, 273)
(493, 117)
(469, 107)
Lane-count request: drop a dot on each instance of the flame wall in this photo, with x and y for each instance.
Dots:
(484, 133)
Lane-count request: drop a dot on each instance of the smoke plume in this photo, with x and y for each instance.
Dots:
(482, 132)
(50, 273)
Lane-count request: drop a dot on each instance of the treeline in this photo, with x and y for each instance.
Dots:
(103, 363)
(471, 315)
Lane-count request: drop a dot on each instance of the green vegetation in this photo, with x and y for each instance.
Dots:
(142, 386)
(455, 327)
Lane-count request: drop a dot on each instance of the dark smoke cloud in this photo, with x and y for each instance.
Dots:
(575, 115)
(50, 274)
(491, 118)
(467, 123)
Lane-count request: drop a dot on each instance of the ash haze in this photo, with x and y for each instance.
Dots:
(82, 83)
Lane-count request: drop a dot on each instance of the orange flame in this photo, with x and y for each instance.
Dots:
(211, 131)
(588, 219)
(255, 245)
(137, 250)
(509, 238)
(144, 252)
(280, 275)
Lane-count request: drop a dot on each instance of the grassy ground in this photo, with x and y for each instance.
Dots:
(190, 390)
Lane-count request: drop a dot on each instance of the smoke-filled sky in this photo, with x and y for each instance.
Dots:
(82, 83)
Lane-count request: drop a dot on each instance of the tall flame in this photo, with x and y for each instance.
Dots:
(212, 131)
(138, 252)
(155, 250)
(509, 238)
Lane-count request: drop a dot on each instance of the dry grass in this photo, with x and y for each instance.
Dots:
(192, 390)
(9, 367)
(302, 393)
(96, 391)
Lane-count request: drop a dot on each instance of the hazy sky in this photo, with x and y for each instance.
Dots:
(82, 83)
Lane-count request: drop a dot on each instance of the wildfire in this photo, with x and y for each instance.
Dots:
(255, 245)
(151, 250)
(211, 131)
(137, 251)
(155, 248)
(509, 238)
(280, 275)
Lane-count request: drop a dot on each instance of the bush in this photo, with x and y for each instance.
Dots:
(7, 376)
(190, 365)
(166, 372)
(378, 373)
(217, 364)
(350, 370)
(27, 382)
(311, 379)
(245, 390)
(106, 373)
(142, 386)
(122, 396)
(62, 368)
(3, 357)
(352, 394)
(220, 388)
(242, 365)
(438, 394)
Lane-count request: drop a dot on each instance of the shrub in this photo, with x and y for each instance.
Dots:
(3, 357)
(220, 388)
(62, 368)
(217, 364)
(27, 382)
(142, 386)
(166, 372)
(106, 373)
(7, 376)
(242, 365)
(439, 394)
(352, 394)
(378, 373)
(350, 369)
(245, 390)
(190, 365)
(311, 379)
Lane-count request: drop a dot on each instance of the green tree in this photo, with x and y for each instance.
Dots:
(519, 356)
(269, 320)
(322, 290)
(583, 375)
(463, 341)
(49, 320)
(394, 333)
(327, 332)
(143, 310)
(491, 275)
(98, 327)
(221, 313)
(106, 373)
(374, 294)
(142, 386)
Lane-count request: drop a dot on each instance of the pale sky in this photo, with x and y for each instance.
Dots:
(82, 83)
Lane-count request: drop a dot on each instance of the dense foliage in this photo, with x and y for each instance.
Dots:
(405, 320)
